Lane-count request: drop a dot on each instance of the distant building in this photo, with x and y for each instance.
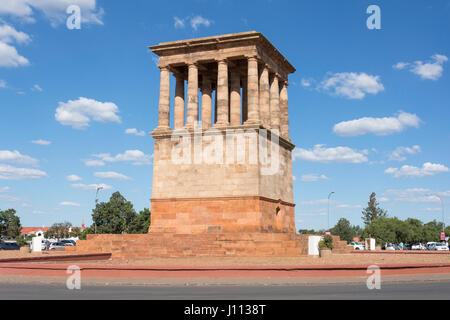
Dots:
(39, 231)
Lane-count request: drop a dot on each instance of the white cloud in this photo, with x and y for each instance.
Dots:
(3, 84)
(54, 10)
(399, 152)
(12, 173)
(111, 175)
(313, 177)
(179, 23)
(137, 157)
(417, 195)
(315, 202)
(9, 35)
(91, 186)
(41, 142)
(78, 113)
(194, 22)
(321, 154)
(352, 85)
(348, 206)
(199, 21)
(10, 198)
(378, 126)
(36, 87)
(38, 212)
(305, 83)
(4, 189)
(428, 169)
(431, 70)
(94, 163)
(69, 204)
(400, 65)
(73, 178)
(135, 132)
(9, 57)
(16, 157)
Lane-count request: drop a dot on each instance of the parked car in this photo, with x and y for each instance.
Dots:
(391, 246)
(59, 245)
(9, 246)
(357, 245)
(430, 245)
(418, 246)
(439, 246)
(73, 242)
(407, 247)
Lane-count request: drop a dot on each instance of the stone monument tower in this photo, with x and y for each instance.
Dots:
(222, 163)
(222, 171)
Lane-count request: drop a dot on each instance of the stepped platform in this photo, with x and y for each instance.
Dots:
(172, 245)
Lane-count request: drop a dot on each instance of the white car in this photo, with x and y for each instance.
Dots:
(390, 246)
(418, 246)
(440, 246)
(430, 245)
(357, 245)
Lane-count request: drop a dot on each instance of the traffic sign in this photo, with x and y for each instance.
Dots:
(442, 235)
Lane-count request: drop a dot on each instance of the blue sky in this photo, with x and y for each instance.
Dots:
(368, 108)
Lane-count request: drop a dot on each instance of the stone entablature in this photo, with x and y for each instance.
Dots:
(248, 75)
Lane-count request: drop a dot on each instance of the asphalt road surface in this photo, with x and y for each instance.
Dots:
(407, 291)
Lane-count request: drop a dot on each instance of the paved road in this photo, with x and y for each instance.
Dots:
(420, 290)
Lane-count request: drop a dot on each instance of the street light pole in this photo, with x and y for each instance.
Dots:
(96, 201)
(442, 208)
(329, 210)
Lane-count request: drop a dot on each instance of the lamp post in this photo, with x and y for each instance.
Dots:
(329, 209)
(96, 201)
(442, 208)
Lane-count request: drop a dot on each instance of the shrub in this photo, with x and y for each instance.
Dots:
(326, 243)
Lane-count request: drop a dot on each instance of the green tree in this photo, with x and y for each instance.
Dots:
(114, 216)
(372, 211)
(9, 224)
(85, 232)
(344, 230)
(382, 229)
(58, 230)
(306, 231)
(75, 232)
(141, 222)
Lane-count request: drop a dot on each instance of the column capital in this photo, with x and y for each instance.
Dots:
(221, 60)
(164, 67)
(252, 58)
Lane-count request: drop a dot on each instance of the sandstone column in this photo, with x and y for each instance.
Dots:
(244, 101)
(164, 100)
(178, 122)
(284, 111)
(206, 102)
(215, 106)
(192, 103)
(264, 111)
(274, 103)
(222, 93)
(235, 98)
(252, 92)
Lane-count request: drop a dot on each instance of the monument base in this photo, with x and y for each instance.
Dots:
(222, 215)
(173, 245)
